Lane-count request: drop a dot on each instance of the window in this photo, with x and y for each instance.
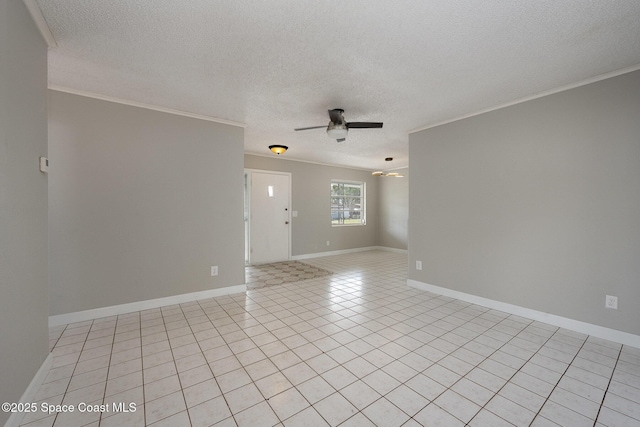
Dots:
(347, 203)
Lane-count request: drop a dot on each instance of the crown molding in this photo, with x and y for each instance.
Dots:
(535, 96)
(143, 105)
(41, 23)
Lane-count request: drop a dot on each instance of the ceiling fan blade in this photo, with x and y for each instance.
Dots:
(341, 139)
(336, 115)
(364, 125)
(312, 127)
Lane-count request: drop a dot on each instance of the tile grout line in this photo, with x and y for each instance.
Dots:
(113, 343)
(144, 400)
(519, 369)
(436, 362)
(411, 417)
(205, 358)
(478, 366)
(450, 353)
(186, 405)
(558, 382)
(302, 361)
(279, 370)
(604, 396)
(59, 337)
(75, 367)
(234, 355)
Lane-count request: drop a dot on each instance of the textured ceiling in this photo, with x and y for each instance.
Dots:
(276, 65)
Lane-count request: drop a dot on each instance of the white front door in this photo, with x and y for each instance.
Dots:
(269, 217)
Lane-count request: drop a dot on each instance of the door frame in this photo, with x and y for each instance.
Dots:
(247, 199)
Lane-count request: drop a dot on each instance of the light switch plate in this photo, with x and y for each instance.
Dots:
(44, 165)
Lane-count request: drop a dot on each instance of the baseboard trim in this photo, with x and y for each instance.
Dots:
(347, 251)
(395, 250)
(332, 253)
(624, 338)
(81, 316)
(30, 393)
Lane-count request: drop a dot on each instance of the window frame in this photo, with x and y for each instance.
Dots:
(362, 205)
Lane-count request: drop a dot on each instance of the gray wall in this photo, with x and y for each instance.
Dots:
(23, 202)
(141, 204)
(393, 210)
(310, 185)
(537, 204)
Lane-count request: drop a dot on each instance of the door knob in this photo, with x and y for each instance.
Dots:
(286, 222)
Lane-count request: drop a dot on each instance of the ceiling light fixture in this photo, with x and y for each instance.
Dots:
(391, 174)
(278, 149)
(338, 131)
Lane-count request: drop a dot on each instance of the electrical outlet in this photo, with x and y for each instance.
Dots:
(214, 270)
(418, 265)
(327, 243)
(611, 302)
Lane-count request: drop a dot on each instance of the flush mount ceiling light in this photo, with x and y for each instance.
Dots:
(278, 149)
(391, 174)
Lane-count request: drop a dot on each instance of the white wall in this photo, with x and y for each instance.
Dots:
(23, 202)
(141, 204)
(537, 204)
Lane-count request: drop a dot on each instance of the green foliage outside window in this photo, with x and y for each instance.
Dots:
(347, 203)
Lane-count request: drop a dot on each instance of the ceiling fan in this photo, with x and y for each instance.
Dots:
(338, 127)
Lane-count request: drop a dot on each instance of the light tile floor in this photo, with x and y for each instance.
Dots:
(357, 348)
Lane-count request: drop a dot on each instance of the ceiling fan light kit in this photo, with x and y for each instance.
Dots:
(337, 132)
(338, 128)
